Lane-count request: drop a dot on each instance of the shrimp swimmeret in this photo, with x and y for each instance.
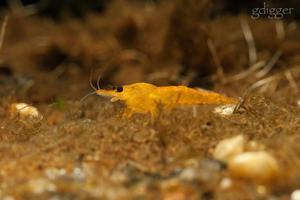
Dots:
(145, 98)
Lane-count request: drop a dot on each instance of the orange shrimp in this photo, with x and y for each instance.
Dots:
(145, 97)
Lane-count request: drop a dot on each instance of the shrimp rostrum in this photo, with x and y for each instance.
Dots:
(145, 98)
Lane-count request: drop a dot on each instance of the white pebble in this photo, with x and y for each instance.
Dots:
(295, 195)
(258, 166)
(188, 174)
(225, 183)
(228, 148)
(39, 186)
(8, 198)
(78, 173)
(54, 173)
(224, 110)
(261, 189)
(255, 146)
(25, 111)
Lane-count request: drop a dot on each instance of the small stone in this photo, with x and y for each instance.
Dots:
(25, 111)
(8, 198)
(188, 174)
(228, 148)
(254, 146)
(39, 186)
(78, 173)
(295, 195)
(262, 190)
(54, 173)
(225, 183)
(259, 166)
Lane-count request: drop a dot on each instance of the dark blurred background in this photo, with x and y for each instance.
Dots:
(166, 42)
(78, 8)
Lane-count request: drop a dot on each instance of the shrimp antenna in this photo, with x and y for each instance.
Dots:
(98, 81)
(91, 84)
(87, 95)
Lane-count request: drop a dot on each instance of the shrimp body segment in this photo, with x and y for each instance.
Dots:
(145, 97)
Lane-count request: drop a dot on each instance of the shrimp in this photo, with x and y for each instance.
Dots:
(145, 98)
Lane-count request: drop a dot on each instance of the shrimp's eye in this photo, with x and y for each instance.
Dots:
(119, 88)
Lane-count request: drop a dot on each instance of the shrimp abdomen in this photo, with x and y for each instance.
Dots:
(181, 95)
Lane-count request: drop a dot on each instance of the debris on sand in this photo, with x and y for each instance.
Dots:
(224, 110)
